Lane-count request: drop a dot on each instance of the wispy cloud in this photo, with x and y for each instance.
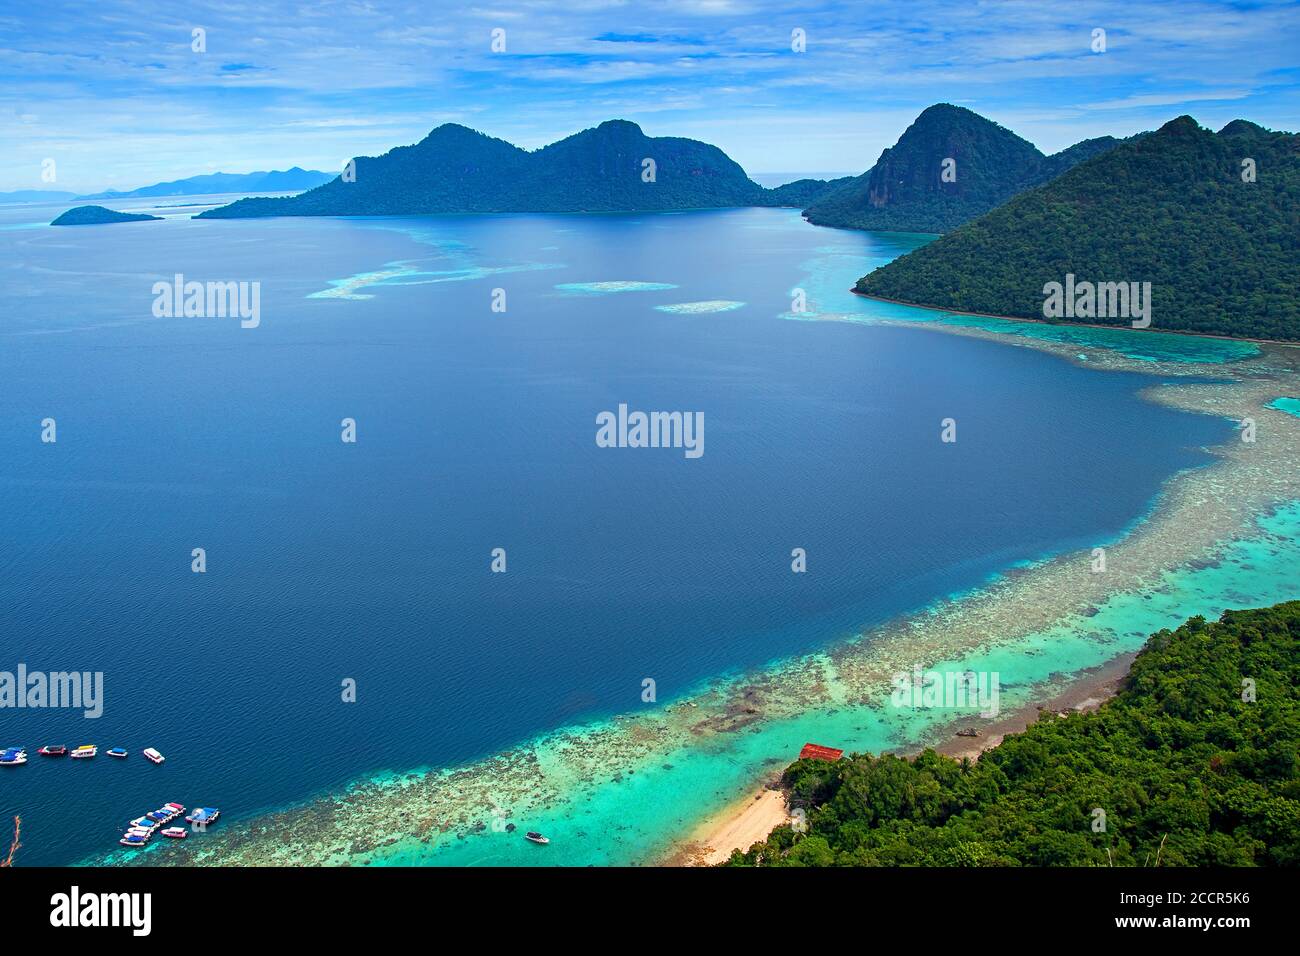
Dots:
(117, 94)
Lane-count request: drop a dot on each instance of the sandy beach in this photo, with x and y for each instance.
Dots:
(751, 819)
(738, 827)
(1218, 536)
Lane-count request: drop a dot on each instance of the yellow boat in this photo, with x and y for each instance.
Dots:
(84, 751)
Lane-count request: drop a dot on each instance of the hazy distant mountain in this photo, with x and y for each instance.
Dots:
(613, 167)
(98, 216)
(36, 195)
(275, 181)
(1211, 221)
(907, 190)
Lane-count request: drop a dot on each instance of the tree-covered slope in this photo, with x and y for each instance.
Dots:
(802, 193)
(453, 169)
(1179, 763)
(906, 191)
(458, 170)
(1170, 208)
(98, 216)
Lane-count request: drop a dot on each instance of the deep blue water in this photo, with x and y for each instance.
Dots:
(476, 431)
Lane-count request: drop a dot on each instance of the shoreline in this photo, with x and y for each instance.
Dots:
(733, 733)
(751, 818)
(737, 827)
(433, 816)
(1281, 343)
(1085, 693)
(715, 838)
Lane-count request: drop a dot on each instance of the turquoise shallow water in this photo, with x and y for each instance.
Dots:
(846, 253)
(628, 821)
(477, 430)
(1289, 405)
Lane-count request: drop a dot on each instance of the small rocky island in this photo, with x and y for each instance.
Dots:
(97, 215)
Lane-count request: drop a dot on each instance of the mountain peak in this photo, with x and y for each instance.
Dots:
(445, 131)
(460, 170)
(1109, 218)
(950, 165)
(1180, 126)
(620, 126)
(1241, 127)
(945, 110)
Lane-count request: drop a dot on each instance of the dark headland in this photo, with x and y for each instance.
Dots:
(97, 216)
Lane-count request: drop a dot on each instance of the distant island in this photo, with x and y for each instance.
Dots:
(1211, 221)
(97, 215)
(948, 167)
(36, 195)
(614, 167)
(1184, 770)
(274, 181)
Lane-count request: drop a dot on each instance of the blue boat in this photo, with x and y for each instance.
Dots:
(13, 756)
(119, 752)
(203, 816)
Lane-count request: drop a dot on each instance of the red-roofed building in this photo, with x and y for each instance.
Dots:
(818, 752)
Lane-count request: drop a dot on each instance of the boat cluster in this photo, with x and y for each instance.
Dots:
(15, 756)
(141, 830)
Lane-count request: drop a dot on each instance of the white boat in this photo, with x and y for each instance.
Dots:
(153, 755)
(536, 837)
(12, 757)
(203, 816)
(84, 751)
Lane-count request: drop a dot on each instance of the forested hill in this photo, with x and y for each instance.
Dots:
(907, 189)
(1182, 766)
(1212, 221)
(611, 168)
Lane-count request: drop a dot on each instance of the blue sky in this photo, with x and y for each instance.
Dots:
(113, 92)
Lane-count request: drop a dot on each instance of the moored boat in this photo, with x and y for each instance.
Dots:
(118, 752)
(536, 837)
(179, 808)
(144, 822)
(176, 833)
(153, 755)
(133, 839)
(84, 752)
(55, 750)
(13, 756)
(203, 816)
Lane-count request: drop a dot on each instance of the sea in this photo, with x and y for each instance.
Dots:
(281, 611)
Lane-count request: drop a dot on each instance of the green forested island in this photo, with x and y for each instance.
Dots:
(1211, 221)
(614, 167)
(948, 167)
(98, 215)
(1190, 764)
(459, 170)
